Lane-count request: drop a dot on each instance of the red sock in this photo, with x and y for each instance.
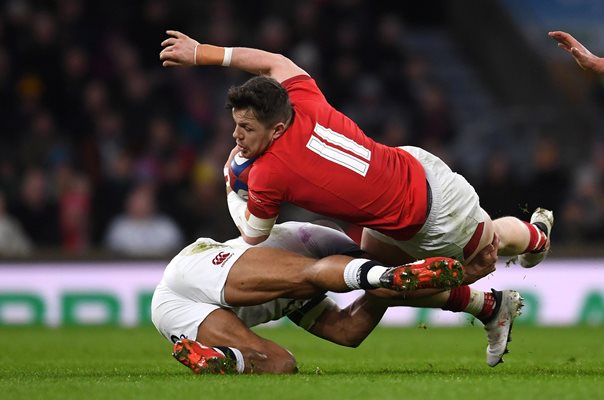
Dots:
(537, 239)
(459, 298)
(477, 303)
(487, 307)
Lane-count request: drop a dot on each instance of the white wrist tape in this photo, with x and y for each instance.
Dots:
(195, 54)
(254, 227)
(228, 54)
(237, 207)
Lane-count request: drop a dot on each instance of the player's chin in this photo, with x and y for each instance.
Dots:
(249, 154)
(243, 151)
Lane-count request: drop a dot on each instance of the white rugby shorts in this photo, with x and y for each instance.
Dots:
(192, 287)
(454, 215)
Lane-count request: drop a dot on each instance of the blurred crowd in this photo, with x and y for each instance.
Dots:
(102, 148)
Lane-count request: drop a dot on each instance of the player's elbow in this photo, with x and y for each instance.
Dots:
(279, 61)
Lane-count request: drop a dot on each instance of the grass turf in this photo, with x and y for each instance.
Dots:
(393, 363)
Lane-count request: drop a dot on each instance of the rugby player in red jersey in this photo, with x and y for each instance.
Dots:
(410, 203)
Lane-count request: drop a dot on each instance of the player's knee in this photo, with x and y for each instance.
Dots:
(272, 360)
(285, 364)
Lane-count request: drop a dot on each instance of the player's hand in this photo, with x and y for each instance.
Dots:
(179, 50)
(482, 264)
(582, 56)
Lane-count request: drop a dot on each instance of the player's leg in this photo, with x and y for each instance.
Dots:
(495, 309)
(262, 274)
(383, 250)
(529, 240)
(224, 344)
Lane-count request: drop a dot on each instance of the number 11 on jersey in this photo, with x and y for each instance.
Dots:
(359, 162)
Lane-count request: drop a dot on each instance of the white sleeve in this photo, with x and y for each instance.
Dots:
(326, 241)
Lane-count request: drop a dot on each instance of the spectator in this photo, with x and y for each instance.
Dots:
(13, 241)
(92, 104)
(37, 210)
(74, 211)
(140, 231)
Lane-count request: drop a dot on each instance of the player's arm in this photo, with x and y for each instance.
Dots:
(181, 50)
(347, 327)
(253, 230)
(582, 56)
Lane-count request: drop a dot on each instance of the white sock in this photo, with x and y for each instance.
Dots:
(362, 273)
(476, 303)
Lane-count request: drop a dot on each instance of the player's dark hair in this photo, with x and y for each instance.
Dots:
(267, 99)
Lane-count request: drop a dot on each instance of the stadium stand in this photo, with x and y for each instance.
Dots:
(88, 114)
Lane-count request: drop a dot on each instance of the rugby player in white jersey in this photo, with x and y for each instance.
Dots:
(212, 293)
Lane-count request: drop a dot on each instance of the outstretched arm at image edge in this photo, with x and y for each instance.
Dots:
(181, 50)
(586, 59)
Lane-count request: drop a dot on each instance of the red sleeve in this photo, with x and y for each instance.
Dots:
(302, 88)
(264, 193)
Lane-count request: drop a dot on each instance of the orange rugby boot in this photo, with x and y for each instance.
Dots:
(201, 359)
(431, 273)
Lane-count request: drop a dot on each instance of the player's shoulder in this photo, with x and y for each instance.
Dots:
(302, 88)
(298, 80)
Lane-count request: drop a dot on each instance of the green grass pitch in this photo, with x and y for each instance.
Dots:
(393, 363)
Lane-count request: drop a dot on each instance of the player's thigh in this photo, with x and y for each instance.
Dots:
(382, 248)
(486, 237)
(263, 274)
(223, 328)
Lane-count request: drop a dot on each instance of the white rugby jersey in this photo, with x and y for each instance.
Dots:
(304, 238)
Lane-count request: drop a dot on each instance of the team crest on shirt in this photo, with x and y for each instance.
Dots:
(221, 258)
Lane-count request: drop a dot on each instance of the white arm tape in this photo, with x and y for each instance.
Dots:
(254, 227)
(228, 54)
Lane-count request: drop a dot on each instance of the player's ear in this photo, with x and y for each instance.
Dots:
(279, 129)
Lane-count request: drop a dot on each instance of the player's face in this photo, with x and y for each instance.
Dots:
(252, 137)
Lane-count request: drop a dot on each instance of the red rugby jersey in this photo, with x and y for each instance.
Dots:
(326, 164)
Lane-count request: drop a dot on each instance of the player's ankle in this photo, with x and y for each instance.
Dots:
(361, 273)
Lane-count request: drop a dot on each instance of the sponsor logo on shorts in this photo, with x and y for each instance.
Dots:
(221, 258)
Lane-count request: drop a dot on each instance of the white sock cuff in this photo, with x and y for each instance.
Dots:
(351, 273)
(239, 358)
(476, 303)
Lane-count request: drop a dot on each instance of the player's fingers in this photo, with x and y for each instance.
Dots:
(168, 42)
(163, 55)
(559, 35)
(491, 255)
(170, 63)
(166, 53)
(564, 46)
(176, 34)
